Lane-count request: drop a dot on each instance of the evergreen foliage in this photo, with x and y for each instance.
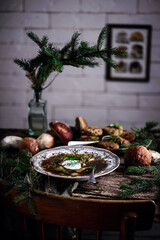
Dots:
(149, 136)
(17, 173)
(75, 53)
(138, 185)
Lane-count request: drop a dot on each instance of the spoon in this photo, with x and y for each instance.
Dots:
(92, 177)
(72, 143)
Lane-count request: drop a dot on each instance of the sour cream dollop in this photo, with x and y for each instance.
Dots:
(72, 164)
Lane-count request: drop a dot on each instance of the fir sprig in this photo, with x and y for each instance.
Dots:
(138, 185)
(139, 142)
(149, 136)
(102, 36)
(19, 174)
(75, 53)
(134, 170)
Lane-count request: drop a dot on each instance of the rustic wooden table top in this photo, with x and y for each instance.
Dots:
(106, 187)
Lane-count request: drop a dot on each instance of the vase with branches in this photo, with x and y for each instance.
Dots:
(51, 60)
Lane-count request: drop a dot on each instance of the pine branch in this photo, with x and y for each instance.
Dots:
(44, 40)
(141, 142)
(65, 49)
(110, 62)
(102, 36)
(51, 81)
(138, 185)
(133, 170)
(50, 59)
(37, 40)
(114, 51)
(19, 174)
(74, 41)
(24, 64)
(151, 125)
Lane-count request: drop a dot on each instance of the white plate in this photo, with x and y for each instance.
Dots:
(112, 160)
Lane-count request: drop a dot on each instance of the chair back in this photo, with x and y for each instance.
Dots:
(126, 216)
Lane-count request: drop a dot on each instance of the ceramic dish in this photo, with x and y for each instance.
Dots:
(112, 160)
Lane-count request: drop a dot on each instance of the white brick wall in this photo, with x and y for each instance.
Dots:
(147, 6)
(76, 91)
(52, 5)
(78, 20)
(108, 6)
(24, 20)
(14, 5)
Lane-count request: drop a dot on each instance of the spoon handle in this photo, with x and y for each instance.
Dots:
(72, 143)
(92, 177)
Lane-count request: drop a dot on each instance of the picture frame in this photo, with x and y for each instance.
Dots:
(136, 40)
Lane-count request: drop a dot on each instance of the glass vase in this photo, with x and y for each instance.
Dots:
(37, 114)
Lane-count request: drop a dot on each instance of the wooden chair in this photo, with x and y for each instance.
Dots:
(126, 216)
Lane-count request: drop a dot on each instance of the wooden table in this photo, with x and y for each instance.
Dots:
(106, 187)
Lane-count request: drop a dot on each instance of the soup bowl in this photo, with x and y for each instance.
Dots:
(112, 160)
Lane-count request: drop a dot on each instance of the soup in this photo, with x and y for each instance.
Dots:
(74, 164)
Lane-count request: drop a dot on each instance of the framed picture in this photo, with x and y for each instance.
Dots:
(136, 40)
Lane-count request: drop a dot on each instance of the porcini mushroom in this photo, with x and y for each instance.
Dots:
(45, 140)
(29, 144)
(137, 156)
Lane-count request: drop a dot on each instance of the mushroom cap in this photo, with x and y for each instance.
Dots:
(137, 156)
(128, 135)
(92, 131)
(45, 140)
(113, 130)
(62, 130)
(80, 124)
(29, 144)
(111, 146)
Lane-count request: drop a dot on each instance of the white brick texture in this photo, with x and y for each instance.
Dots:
(23, 20)
(12, 116)
(76, 91)
(149, 6)
(77, 21)
(52, 5)
(110, 100)
(94, 116)
(151, 19)
(155, 38)
(115, 6)
(153, 86)
(8, 98)
(8, 5)
(85, 84)
(137, 115)
(17, 51)
(152, 102)
(9, 36)
(155, 54)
